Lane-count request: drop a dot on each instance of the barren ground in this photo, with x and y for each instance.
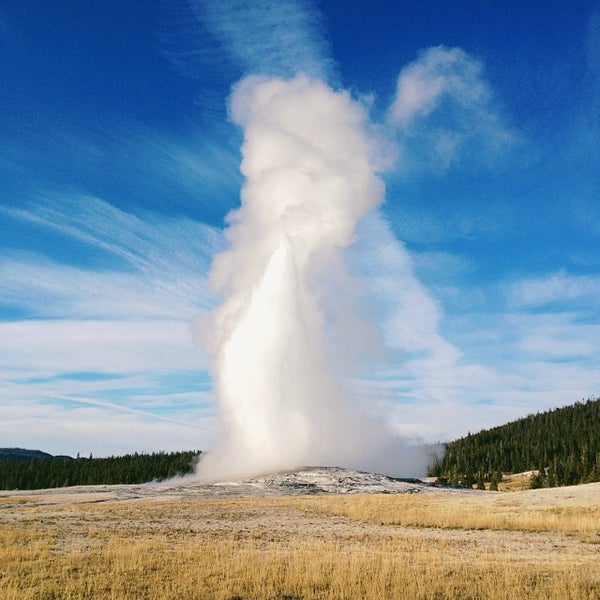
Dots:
(249, 507)
(548, 531)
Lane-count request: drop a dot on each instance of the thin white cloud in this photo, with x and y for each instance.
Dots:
(146, 244)
(558, 337)
(438, 72)
(569, 290)
(100, 430)
(113, 407)
(204, 166)
(71, 412)
(443, 103)
(269, 36)
(43, 348)
(45, 288)
(160, 270)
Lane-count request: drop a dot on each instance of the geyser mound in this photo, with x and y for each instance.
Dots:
(325, 480)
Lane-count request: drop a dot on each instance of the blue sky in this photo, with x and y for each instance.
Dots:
(119, 164)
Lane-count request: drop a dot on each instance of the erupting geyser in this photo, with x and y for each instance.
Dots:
(308, 161)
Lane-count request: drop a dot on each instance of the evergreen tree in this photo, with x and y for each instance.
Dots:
(480, 481)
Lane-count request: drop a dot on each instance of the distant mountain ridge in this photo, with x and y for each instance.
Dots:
(23, 454)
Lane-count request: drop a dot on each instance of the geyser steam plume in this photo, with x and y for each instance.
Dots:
(308, 161)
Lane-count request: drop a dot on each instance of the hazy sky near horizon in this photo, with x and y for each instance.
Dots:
(119, 165)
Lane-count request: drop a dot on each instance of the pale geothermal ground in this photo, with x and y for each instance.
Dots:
(316, 533)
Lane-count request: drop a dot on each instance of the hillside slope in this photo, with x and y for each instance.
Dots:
(562, 446)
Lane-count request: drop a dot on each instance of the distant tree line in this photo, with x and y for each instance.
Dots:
(61, 471)
(562, 446)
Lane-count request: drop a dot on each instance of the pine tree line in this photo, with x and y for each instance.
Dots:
(63, 471)
(562, 446)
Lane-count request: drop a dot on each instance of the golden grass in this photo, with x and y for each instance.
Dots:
(516, 482)
(329, 547)
(462, 511)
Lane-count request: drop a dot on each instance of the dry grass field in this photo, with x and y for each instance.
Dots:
(535, 544)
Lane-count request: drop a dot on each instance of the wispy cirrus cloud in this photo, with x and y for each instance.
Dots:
(198, 171)
(45, 348)
(39, 287)
(561, 337)
(134, 315)
(152, 245)
(103, 387)
(270, 37)
(114, 342)
(559, 289)
(101, 430)
(222, 41)
(555, 319)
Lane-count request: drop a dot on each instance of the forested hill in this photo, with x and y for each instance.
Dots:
(32, 469)
(562, 445)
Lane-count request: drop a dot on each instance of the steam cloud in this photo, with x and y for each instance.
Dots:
(310, 167)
